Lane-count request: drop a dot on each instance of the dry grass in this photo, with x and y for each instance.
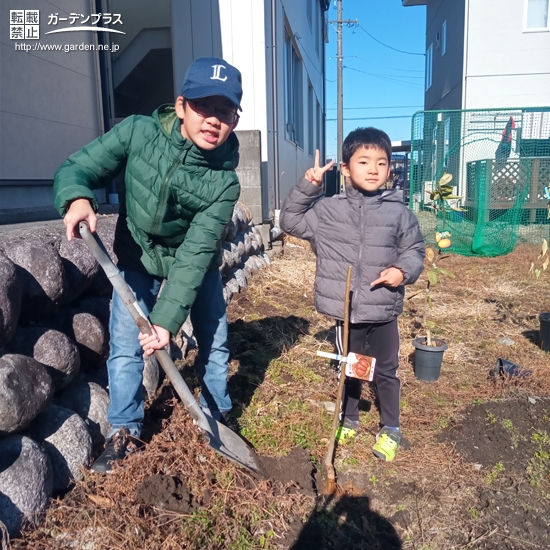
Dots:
(487, 300)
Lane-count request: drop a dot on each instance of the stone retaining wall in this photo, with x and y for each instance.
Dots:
(54, 343)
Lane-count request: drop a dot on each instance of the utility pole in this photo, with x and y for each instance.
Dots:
(340, 110)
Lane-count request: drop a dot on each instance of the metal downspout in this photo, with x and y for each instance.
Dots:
(275, 105)
(465, 53)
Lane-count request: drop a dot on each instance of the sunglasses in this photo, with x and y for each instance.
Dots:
(206, 110)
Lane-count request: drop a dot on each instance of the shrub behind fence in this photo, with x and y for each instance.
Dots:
(500, 163)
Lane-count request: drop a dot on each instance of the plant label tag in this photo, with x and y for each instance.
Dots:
(360, 366)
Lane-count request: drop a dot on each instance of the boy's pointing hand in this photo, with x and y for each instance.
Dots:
(315, 174)
(391, 277)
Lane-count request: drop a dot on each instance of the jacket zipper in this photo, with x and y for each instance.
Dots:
(358, 268)
(164, 190)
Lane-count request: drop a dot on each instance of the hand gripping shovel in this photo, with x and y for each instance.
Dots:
(220, 437)
(332, 487)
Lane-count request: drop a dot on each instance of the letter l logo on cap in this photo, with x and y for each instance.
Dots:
(216, 74)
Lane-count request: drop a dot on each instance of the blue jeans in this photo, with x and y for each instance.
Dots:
(125, 363)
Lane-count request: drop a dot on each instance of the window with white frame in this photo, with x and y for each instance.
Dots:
(294, 111)
(536, 15)
(444, 38)
(429, 62)
(310, 120)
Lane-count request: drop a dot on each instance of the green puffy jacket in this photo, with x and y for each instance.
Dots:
(178, 200)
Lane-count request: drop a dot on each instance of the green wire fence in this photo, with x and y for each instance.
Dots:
(499, 160)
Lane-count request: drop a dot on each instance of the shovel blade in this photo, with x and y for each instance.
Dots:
(227, 443)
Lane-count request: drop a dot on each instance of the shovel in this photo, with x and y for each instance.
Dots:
(332, 487)
(220, 437)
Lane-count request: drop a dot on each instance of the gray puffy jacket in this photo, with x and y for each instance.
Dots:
(368, 231)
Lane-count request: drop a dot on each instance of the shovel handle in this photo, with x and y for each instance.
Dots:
(121, 287)
(336, 419)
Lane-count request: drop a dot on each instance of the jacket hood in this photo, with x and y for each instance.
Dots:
(224, 157)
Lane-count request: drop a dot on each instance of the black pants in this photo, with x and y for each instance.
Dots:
(379, 340)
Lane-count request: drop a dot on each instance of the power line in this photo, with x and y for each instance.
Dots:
(390, 47)
(384, 66)
(385, 107)
(389, 79)
(304, 51)
(371, 117)
(386, 75)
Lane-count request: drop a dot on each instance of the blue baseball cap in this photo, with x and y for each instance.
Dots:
(209, 76)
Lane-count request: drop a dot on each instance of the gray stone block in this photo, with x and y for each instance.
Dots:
(256, 212)
(25, 389)
(230, 231)
(249, 138)
(11, 293)
(250, 178)
(232, 286)
(251, 196)
(227, 295)
(25, 482)
(90, 335)
(241, 216)
(240, 277)
(239, 243)
(249, 158)
(42, 273)
(98, 306)
(65, 438)
(80, 268)
(55, 350)
(91, 402)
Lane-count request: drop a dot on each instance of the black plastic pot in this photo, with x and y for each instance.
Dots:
(428, 359)
(544, 319)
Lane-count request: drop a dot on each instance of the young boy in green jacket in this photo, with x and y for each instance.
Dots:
(180, 189)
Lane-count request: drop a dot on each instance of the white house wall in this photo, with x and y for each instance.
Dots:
(195, 33)
(294, 161)
(446, 89)
(506, 67)
(49, 104)
(244, 46)
(246, 43)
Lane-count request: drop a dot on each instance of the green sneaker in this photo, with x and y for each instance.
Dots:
(346, 432)
(387, 443)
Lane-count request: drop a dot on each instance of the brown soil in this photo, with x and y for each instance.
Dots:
(506, 437)
(476, 475)
(167, 493)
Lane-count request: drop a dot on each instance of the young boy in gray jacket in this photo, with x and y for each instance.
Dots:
(373, 231)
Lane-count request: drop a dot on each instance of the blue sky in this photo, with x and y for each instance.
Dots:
(378, 81)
